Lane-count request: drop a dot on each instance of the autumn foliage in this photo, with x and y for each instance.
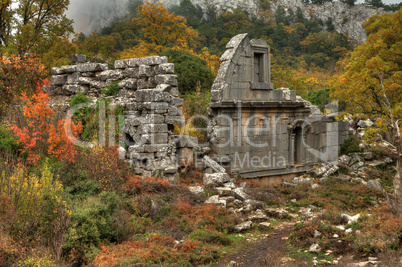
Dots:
(39, 135)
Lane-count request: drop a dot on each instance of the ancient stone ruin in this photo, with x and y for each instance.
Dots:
(255, 131)
(258, 132)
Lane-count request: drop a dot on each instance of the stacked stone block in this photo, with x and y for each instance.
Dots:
(148, 91)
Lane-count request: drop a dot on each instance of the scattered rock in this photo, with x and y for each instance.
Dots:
(223, 191)
(345, 160)
(336, 236)
(215, 200)
(239, 193)
(243, 226)
(349, 231)
(315, 186)
(197, 190)
(213, 165)
(216, 179)
(369, 156)
(255, 203)
(315, 248)
(277, 213)
(365, 123)
(264, 226)
(349, 219)
(376, 185)
(317, 233)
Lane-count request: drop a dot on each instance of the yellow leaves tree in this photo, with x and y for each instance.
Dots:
(161, 30)
(371, 82)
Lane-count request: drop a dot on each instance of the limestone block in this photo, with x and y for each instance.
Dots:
(223, 191)
(178, 102)
(154, 147)
(215, 200)
(235, 41)
(145, 71)
(174, 120)
(68, 69)
(239, 193)
(152, 82)
(73, 78)
(243, 226)
(185, 154)
(120, 64)
(223, 71)
(154, 119)
(264, 226)
(153, 106)
(157, 138)
(58, 80)
(152, 95)
(213, 165)
(197, 190)
(85, 80)
(78, 59)
(98, 84)
(132, 62)
(142, 83)
(71, 89)
(131, 83)
(131, 72)
(165, 68)
(254, 203)
(92, 67)
(216, 95)
(109, 74)
(228, 55)
(56, 71)
(174, 111)
(216, 179)
(277, 213)
(169, 79)
(51, 90)
(152, 60)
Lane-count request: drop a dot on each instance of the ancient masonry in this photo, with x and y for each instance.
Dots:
(149, 94)
(255, 131)
(258, 132)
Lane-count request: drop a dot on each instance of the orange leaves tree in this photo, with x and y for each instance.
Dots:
(17, 75)
(161, 30)
(39, 135)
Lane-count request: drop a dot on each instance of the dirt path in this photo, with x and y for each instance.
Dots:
(259, 253)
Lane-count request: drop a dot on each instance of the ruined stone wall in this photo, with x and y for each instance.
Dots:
(258, 132)
(148, 93)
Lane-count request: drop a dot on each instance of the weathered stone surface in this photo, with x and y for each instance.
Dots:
(51, 90)
(239, 193)
(243, 226)
(58, 80)
(277, 213)
(365, 123)
(71, 89)
(91, 67)
(256, 204)
(345, 160)
(376, 185)
(213, 165)
(350, 219)
(169, 79)
(56, 71)
(166, 68)
(110, 74)
(264, 226)
(197, 190)
(315, 248)
(152, 95)
(215, 200)
(216, 179)
(145, 71)
(68, 69)
(223, 191)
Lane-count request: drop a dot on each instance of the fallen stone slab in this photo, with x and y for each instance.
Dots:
(216, 179)
(277, 213)
(223, 191)
(315, 248)
(197, 190)
(349, 219)
(243, 226)
(213, 165)
(239, 193)
(264, 226)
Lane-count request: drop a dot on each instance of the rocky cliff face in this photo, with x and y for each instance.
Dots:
(92, 15)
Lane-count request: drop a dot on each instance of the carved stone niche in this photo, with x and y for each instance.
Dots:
(261, 67)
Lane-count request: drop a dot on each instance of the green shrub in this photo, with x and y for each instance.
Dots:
(8, 142)
(92, 223)
(112, 89)
(210, 236)
(78, 99)
(350, 145)
(320, 98)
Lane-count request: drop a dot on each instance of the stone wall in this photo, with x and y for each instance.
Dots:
(148, 93)
(258, 132)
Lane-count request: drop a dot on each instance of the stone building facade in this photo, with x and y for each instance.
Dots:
(257, 132)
